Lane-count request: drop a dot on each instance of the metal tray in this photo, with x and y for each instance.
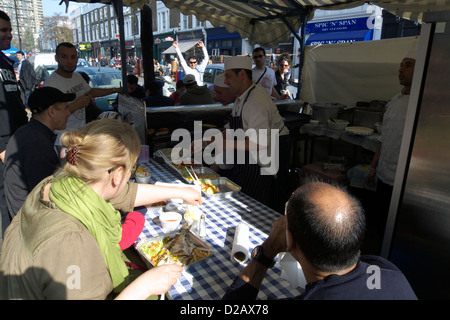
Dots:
(198, 242)
(226, 187)
(201, 172)
(165, 154)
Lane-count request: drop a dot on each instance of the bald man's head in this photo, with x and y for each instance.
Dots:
(328, 225)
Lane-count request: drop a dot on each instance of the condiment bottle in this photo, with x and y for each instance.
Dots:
(201, 229)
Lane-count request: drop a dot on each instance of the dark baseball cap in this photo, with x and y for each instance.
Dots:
(44, 97)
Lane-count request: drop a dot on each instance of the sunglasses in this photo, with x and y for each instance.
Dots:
(260, 56)
(192, 62)
(5, 29)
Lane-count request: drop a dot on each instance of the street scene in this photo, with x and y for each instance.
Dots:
(268, 150)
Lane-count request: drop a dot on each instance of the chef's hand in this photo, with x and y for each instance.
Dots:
(370, 178)
(276, 242)
(175, 44)
(152, 282)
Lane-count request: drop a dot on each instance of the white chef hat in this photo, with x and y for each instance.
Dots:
(238, 62)
(219, 81)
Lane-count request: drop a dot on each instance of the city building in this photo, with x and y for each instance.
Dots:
(26, 18)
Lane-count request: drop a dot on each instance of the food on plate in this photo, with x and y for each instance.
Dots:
(158, 204)
(200, 175)
(192, 214)
(179, 249)
(185, 163)
(142, 172)
(142, 175)
(207, 187)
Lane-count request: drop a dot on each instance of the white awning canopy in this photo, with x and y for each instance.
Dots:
(183, 45)
(269, 22)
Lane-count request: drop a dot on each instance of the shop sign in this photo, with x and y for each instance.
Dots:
(364, 23)
(168, 39)
(157, 40)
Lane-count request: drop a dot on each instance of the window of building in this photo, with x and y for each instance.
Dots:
(227, 43)
(184, 21)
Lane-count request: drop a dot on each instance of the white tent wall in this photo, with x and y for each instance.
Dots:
(350, 72)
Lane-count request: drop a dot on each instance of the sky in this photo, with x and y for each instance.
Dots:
(51, 7)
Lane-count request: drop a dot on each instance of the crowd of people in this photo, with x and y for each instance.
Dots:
(66, 199)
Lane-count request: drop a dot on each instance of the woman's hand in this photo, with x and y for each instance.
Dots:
(191, 195)
(152, 282)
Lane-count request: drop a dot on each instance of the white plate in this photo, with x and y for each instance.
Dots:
(360, 131)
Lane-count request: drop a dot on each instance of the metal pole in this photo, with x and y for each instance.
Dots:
(118, 7)
(17, 22)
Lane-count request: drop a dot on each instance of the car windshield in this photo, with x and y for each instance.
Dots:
(106, 80)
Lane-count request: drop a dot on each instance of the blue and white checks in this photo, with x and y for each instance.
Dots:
(209, 279)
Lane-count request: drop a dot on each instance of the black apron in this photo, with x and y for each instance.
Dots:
(247, 175)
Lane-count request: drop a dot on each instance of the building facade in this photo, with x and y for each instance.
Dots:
(26, 17)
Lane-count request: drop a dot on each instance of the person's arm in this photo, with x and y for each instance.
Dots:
(180, 56)
(99, 92)
(255, 272)
(79, 103)
(205, 58)
(373, 167)
(148, 194)
(152, 282)
(246, 285)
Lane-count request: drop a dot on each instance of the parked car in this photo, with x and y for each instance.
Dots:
(43, 72)
(48, 59)
(83, 63)
(45, 59)
(101, 77)
(211, 71)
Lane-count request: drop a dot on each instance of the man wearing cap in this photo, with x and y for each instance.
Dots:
(193, 68)
(30, 154)
(253, 109)
(194, 93)
(67, 80)
(384, 163)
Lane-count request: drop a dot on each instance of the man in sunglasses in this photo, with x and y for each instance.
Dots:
(193, 67)
(264, 76)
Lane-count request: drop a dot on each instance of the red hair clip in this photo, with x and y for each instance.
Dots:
(72, 156)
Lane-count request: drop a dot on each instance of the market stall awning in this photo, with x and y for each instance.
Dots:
(339, 37)
(184, 46)
(269, 22)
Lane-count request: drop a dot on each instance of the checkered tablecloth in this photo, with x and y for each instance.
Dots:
(210, 278)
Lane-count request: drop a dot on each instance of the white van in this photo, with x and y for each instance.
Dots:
(46, 59)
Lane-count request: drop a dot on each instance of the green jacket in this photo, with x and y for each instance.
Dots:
(49, 254)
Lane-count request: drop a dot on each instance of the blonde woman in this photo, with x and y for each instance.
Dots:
(64, 241)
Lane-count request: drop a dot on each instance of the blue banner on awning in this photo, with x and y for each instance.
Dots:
(339, 37)
(350, 24)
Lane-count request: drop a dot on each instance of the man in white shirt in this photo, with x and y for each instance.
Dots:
(385, 160)
(263, 75)
(193, 68)
(68, 81)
